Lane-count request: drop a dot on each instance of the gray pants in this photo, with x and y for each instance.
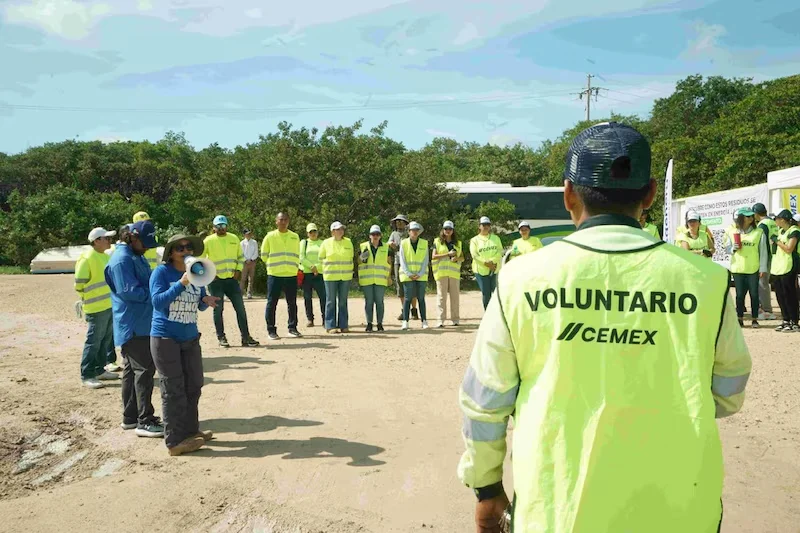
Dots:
(180, 367)
(137, 382)
(765, 293)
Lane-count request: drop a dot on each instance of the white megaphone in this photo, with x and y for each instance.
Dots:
(201, 271)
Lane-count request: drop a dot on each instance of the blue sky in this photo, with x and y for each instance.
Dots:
(228, 71)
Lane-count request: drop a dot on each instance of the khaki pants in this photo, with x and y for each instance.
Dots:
(448, 287)
(248, 275)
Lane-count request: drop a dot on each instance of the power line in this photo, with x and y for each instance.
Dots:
(589, 92)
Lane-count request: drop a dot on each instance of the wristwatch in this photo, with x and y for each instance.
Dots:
(488, 492)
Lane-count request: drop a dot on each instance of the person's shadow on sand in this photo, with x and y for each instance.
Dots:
(314, 448)
(258, 424)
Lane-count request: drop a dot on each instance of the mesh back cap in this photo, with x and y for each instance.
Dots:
(594, 151)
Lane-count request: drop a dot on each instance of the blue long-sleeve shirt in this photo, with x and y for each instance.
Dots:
(128, 277)
(175, 307)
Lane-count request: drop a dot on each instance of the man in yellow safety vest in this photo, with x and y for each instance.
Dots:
(771, 232)
(614, 372)
(280, 251)
(95, 306)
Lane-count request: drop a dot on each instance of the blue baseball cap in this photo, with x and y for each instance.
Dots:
(609, 155)
(146, 231)
(220, 219)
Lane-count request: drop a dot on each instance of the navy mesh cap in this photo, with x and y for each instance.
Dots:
(598, 149)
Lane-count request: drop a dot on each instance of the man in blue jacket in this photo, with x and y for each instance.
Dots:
(128, 277)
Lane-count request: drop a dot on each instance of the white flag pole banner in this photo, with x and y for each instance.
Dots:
(668, 232)
(716, 211)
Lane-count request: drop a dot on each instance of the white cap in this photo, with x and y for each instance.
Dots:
(524, 223)
(375, 229)
(337, 225)
(692, 215)
(485, 220)
(796, 217)
(415, 226)
(96, 233)
(448, 224)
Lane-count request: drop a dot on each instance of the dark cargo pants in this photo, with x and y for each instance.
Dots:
(137, 382)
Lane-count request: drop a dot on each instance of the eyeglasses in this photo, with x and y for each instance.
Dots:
(181, 247)
(221, 226)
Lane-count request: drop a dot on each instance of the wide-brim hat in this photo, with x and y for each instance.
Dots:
(400, 217)
(197, 244)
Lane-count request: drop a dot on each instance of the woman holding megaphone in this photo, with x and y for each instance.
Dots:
(175, 342)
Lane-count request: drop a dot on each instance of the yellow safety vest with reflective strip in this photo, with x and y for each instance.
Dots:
(782, 262)
(444, 267)
(90, 281)
(746, 260)
(281, 253)
(485, 249)
(376, 270)
(683, 230)
(614, 423)
(700, 243)
(772, 229)
(309, 255)
(522, 246)
(225, 252)
(652, 229)
(414, 259)
(337, 259)
(151, 254)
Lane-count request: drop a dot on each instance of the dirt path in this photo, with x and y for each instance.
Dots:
(317, 434)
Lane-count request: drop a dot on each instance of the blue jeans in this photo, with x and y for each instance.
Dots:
(411, 290)
(336, 304)
(487, 285)
(373, 296)
(99, 341)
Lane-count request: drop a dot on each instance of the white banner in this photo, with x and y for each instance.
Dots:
(716, 211)
(668, 232)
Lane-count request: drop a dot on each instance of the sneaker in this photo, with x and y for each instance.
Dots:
(424, 324)
(333, 331)
(784, 327)
(368, 329)
(414, 314)
(223, 342)
(188, 445)
(249, 296)
(93, 383)
(404, 327)
(439, 324)
(112, 367)
(294, 333)
(126, 426)
(251, 343)
(755, 324)
(770, 316)
(274, 336)
(380, 327)
(456, 322)
(310, 324)
(345, 330)
(795, 327)
(205, 435)
(150, 430)
(108, 376)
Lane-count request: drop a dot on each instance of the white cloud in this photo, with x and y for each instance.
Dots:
(440, 133)
(67, 18)
(111, 138)
(467, 34)
(503, 139)
(145, 5)
(705, 41)
(254, 13)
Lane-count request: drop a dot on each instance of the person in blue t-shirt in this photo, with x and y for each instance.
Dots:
(128, 277)
(175, 344)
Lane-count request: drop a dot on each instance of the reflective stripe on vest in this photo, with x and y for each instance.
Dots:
(281, 253)
(444, 267)
(225, 252)
(90, 281)
(615, 375)
(337, 264)
(152, 258)
(414, 259)
(376, 270)
(488, 249)
(746, 260)
(782, 262)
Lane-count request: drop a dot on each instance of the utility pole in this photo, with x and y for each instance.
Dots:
(588, 93)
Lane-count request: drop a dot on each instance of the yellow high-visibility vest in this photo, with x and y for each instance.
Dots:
(700, 243)
(225, 252)
(484, 249)
(445, 267)
(376, 270)
(522, 246)
(151, 254)
(746, 260)
(90, 281)
(309, 255)
(281, 253)
(414, 259)
(337, 259)
(652, 229)
(782, 262)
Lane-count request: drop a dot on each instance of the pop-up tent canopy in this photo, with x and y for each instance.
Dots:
(784, 189)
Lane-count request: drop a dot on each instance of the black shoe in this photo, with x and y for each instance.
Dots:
(380, 327)
(274, 336)
(755, 324)
(250, 342)
(223, 342)
(368, 328)
(414, 314)
(294, 333)
(310, 324)
(741, 322)
(400, 317)
(784, 327)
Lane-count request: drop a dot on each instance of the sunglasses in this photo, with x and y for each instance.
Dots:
(182, 247)
(448, 229)
(221, 226)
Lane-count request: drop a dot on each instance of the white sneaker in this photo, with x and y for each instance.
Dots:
(112, 367)
(404, 327)
(440, 324)
(424, 324)
(108, 376)
(92, 383)
(770, 316)
(456, 322)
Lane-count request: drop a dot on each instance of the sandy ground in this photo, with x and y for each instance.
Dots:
(319, 434)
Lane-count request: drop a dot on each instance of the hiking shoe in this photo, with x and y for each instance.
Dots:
(250, 342)
(205, 435)
(188, 445)
(92, 383)
(127, 426)
(424, 324)
(108, 376)
(368, 329)
(380, 327)
(274, 336)
(414, 314)
(404, 327)
(223, 341)
(112, 367)
(294, 333)
(310, 324)
(755, 324)
(150, 430)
